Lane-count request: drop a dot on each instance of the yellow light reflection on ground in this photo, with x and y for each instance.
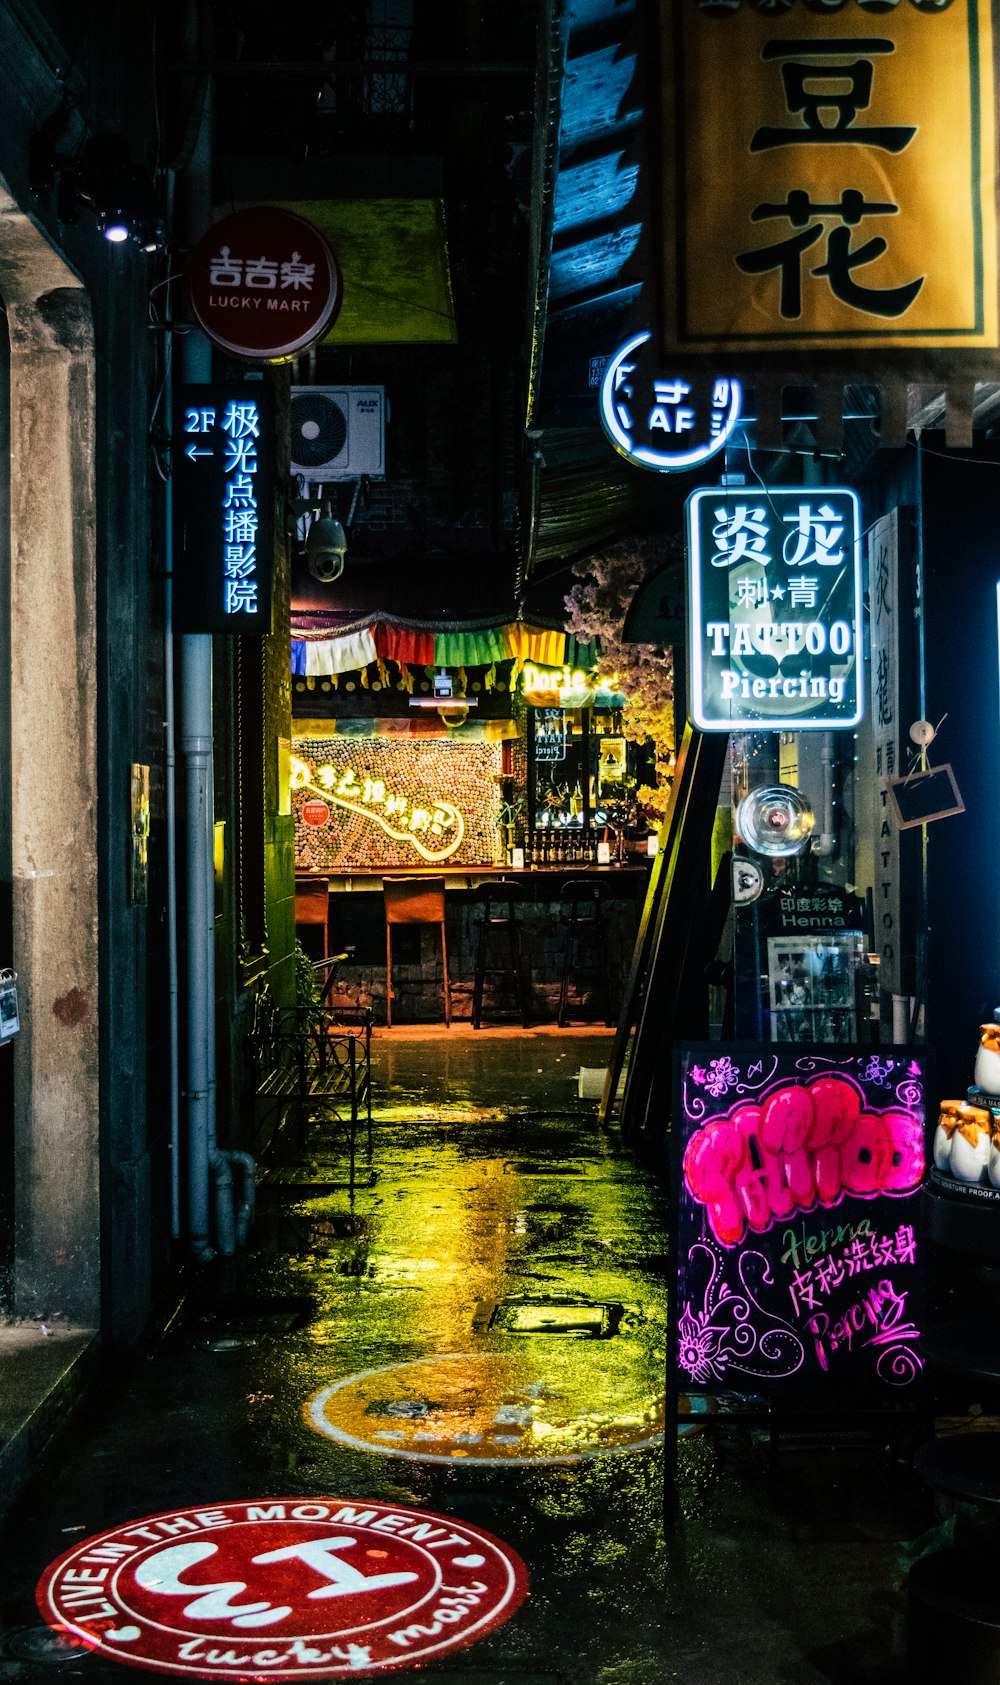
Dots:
(537, 1382)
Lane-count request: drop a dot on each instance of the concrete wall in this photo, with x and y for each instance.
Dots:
(53, 749)
(91, 1183)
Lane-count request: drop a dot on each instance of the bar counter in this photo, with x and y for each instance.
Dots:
(467, 877)
(356, 920)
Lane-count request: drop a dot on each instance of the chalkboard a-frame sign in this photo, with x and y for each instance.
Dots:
(796, 1175)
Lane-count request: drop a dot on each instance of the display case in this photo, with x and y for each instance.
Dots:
(811, 986)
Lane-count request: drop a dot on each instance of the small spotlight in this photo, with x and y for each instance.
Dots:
(100, 176)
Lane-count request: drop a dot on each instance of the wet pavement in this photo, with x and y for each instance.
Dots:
(480, 1334)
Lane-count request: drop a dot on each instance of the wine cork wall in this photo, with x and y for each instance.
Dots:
(388, 802)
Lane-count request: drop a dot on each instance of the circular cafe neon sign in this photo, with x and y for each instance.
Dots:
(660, 421)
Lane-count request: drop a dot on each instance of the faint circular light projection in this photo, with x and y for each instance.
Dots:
(494, 1408)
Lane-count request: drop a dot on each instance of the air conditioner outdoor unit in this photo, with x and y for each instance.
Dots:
(338, 432)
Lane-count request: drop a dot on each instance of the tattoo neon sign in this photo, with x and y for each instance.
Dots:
(399, 816)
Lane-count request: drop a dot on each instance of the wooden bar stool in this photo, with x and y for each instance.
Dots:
(585, 928)
(499, 919)
(312, 908)
(414, 901)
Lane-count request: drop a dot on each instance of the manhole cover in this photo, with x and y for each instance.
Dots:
(237, 1322)
(504, 1677)
(531, 1167)
(516, 1406)
(577, 1319)
(293, 1176)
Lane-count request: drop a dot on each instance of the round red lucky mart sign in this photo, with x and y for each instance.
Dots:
(264, 284)
(283, 1588)
(315, 813)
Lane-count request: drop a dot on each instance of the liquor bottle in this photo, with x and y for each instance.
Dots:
(529, 849)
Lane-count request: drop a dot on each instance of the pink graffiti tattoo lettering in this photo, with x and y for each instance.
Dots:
(806, 1144)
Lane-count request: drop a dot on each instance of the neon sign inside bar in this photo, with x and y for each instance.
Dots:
(565, 681)
(402, 816)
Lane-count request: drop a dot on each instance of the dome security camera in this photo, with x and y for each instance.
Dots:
(326, 548)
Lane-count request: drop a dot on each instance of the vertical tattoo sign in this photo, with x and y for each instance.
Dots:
(223, 481)
(850, 157)
(891, 616)
(798, 1178)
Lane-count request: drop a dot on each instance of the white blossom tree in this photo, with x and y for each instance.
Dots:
(597, 605)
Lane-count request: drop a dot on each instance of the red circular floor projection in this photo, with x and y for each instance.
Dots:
(283, 1588)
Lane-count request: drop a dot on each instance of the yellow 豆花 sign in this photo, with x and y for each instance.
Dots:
(835, 176)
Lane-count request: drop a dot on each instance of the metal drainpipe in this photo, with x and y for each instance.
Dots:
(825, 843)
(210, 1177)
(244, 1214)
